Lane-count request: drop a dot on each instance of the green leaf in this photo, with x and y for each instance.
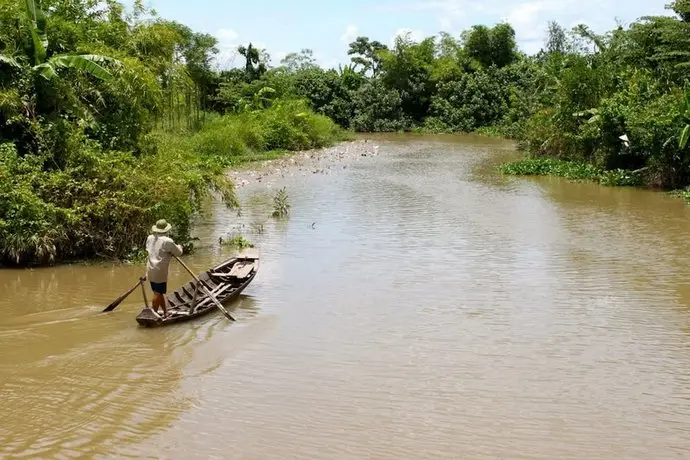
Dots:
(10, 61)
(46, 71)
(684, 137)
(38, 32)
(89, 63)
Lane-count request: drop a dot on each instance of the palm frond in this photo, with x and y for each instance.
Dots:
(10, 61)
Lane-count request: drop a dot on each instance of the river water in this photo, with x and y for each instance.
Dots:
(416, 304)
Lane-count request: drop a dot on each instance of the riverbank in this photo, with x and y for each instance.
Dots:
(580, 171)
(327, 160)
(101, 203)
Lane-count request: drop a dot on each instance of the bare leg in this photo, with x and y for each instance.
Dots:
(155, 302)
(163, 302)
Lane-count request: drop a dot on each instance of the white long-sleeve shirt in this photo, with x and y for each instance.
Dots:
(160, 249)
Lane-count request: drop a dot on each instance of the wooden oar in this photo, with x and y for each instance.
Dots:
(208, 293)
(119, 300)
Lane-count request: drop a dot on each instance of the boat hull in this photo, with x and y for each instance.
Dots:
(226, 281)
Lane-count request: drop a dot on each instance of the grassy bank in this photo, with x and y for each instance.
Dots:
(101, 203)
(579, 171)
(288, 125)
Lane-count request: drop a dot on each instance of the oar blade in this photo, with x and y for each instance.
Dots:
(112, 306)
(119, 300)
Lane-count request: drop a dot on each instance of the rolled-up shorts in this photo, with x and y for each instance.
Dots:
(160, 288)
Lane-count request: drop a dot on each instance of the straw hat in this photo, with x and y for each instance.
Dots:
(162, 226)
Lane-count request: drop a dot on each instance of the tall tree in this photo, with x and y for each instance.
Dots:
(556, 39)
(491, 46)
(255, 61)
(681, 8)
(503, 45)
(367, 54)
(303, 60)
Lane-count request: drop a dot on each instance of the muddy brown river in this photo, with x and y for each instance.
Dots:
(415, 305)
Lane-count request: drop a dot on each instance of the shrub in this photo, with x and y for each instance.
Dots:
(101, 203)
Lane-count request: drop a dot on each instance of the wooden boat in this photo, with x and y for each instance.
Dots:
(225, 282)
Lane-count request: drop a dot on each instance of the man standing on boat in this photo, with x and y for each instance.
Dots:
(161, 248)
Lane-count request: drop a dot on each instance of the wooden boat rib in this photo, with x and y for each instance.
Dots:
(225, 281)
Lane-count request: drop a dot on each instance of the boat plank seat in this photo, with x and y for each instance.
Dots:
(240, 270)
(189, 289)
(201, 296)
(210, 285)
(217, 294)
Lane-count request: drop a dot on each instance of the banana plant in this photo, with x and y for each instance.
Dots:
(47, 67)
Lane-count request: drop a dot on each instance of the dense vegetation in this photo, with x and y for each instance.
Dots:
(104, 129)
(616, 101)
(109, 120)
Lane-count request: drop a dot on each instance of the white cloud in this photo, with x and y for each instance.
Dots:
(229, 41)
(277, 57)
(330, 63)
(226, 36)
(530, 21)
(349, 35)
(528, 17)
(227, 48)
(455, 8)
(449, 12)
(446, 24)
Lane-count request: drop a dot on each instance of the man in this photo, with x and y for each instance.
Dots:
(161, 248)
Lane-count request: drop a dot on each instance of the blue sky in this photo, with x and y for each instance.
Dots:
(326, 27)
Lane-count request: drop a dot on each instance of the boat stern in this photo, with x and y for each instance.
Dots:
(149, 318)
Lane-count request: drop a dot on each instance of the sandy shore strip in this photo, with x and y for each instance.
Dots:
(319, 161)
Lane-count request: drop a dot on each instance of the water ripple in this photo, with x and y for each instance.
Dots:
(414, 305)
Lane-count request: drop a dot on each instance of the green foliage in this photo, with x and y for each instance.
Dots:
(474, 100)
(84, 171)
(101, 203)
(407, 68)
(367, 54)
(490, 46)
(577, 171)
(378, 108)
(255, 61)
(286, 125)
(281, 207)
(551, 167)
(109, 121)
(556, 41)
(237, 241)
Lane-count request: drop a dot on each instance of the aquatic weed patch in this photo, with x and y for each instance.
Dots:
(237, 241)
(572, 170)
(281, 206)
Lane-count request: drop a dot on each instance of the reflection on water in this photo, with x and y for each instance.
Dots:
(414, 305)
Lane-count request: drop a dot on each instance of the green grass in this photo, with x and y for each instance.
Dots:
(258, 135)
